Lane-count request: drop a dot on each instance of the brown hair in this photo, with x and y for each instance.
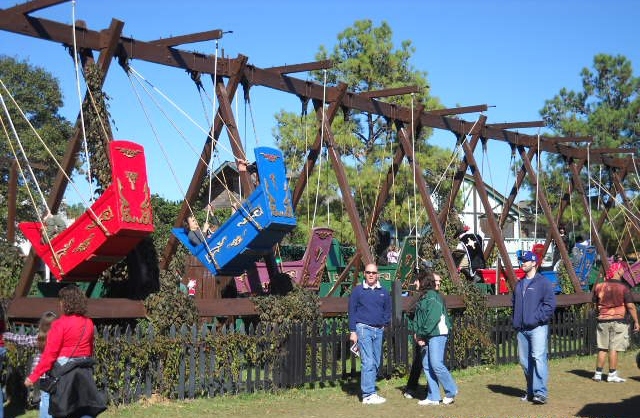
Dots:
(426, 280)
(44, 325)
(73, 300)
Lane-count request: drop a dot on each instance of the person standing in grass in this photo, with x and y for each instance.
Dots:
(369, 313)
(37, 341)
(533, 302)
(613, 300)
(431, 327)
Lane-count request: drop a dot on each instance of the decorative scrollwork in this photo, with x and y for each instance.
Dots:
(128, 152)
(84, 244)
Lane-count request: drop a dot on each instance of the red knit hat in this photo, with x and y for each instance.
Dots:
(613, 269)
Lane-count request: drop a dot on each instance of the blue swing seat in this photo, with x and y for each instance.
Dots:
(261, 221)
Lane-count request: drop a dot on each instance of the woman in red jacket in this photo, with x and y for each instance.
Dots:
(68, 353)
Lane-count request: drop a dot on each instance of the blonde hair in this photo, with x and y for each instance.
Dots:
(44, 325)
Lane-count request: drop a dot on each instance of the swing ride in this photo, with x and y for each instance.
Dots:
(259, 223)
(266, 212)
(114, 224)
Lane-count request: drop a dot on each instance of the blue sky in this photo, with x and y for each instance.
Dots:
(511, 55)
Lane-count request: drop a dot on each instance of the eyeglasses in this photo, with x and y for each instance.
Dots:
(370, 272)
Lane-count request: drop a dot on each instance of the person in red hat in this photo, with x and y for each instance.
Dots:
(613, 300)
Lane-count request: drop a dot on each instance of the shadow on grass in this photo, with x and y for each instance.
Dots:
(628, 408)
(351, 387)
(582, 373)
(506, 390)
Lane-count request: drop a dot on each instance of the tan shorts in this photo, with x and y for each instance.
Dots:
(612, 335)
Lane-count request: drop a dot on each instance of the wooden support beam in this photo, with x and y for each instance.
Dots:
(457, 110)
(436, 226)
(303, 67)
(484, 198)
(458, 177)
(314, 150)
(398, 91)
(209, 35)
(518, 125)
(506, 205)
(34, 6)
(129, 48)
(12, 197)
(345, 189)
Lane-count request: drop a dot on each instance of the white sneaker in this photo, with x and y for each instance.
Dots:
(448, 401)
(613, 377)
(597, 377)
(408, 394)
(428, 402)
(373, 399)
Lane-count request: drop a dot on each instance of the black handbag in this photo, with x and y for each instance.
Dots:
(48, 382)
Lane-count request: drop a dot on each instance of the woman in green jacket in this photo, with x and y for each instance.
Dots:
(431, 327)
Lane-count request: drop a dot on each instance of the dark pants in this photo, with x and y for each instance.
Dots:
(416, 368)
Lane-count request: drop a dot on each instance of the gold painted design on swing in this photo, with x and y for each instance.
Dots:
(286, 202)
(128, 152)
(145, 217)
(84, 244)
(106, 215)
(252, 215)
(211, 254)
(236, 241)
(63, 251)
(270, 157)
(132, 176)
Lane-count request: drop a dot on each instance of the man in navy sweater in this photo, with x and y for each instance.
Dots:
(533, 305)
(369, 313)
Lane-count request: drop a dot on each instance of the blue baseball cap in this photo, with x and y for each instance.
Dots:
(528, 256)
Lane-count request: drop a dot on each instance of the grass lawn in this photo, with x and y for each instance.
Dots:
(484, 392)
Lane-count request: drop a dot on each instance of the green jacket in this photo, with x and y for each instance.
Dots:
(431, 318)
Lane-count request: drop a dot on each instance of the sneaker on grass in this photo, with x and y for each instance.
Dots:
(428, 402)
(373, 399)
(613, 377)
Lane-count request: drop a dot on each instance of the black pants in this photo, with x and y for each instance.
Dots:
(416, 368)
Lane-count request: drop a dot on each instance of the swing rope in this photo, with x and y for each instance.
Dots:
(415, 199)
(77, 85)
(538, 162)
(324, 101)
(24, 179)
(139, 78)
(51, 155)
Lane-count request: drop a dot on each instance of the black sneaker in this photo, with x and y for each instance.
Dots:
(539, 399)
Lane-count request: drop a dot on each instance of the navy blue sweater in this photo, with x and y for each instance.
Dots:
(369, 306)
(533, 305)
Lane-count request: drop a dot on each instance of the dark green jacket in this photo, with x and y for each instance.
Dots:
(431, 318)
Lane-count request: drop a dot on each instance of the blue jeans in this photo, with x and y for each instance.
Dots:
(370, 345)
(44, 405)
(532, 352)
(435, 369)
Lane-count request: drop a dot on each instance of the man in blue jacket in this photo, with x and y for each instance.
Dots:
(533, 305)
(369, 313)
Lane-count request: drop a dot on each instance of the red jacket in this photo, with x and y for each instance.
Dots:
(69, 336)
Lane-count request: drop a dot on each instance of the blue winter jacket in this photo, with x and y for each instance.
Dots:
(535, 307)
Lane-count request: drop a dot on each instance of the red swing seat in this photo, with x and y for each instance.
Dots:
(88, 246)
